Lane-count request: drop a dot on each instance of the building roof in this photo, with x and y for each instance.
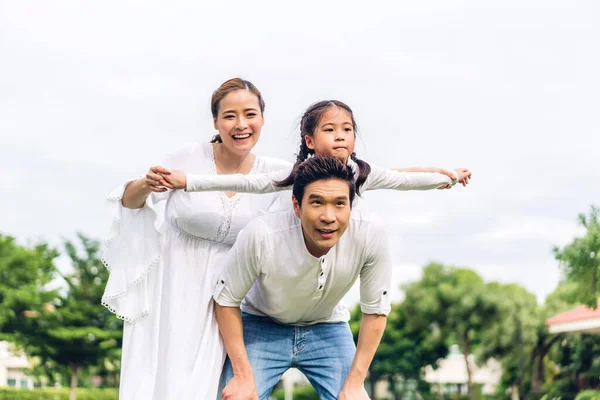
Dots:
(581, 319)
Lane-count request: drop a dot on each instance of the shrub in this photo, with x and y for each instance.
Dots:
(300, 393)
(57, 394)
(588, 395)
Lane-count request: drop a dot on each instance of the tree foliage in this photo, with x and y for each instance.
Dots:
(580, 259)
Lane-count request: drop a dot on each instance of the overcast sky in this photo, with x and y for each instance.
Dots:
(92, 93)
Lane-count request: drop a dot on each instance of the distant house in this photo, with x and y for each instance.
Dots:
(12, 367)
(579, 320)
(451, 374)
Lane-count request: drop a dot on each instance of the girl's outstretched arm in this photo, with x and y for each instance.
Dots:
(415, 178)
(463, 177)
(240, 183)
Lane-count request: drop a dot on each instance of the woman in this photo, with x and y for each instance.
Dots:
(327, 128)
(161, 281)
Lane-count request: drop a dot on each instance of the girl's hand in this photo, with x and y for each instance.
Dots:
(175, 180)
(463, 175)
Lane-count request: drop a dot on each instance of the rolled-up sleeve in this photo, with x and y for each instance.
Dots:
(241, 267)
(376, 274)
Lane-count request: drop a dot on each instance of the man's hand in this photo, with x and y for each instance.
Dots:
(240, 389)
(357, 392)
(175, 180)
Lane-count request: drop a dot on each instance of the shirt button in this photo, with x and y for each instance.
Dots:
(222, 281)
(321, 287)
(322, 273)
(384, 292)
(322, 261)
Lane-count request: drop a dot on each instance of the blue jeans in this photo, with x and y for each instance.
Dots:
(323, 352)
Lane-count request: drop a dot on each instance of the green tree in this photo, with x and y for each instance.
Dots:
(404, 351)
(511, 338)
(520, 339)
(78, 333)
(581, 259)
(579, 361)
(560, 300)
(25, 275)
(458, 303)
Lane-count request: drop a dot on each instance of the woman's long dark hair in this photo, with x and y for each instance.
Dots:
(311, 118)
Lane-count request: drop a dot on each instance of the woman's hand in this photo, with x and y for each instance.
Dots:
(154, 179)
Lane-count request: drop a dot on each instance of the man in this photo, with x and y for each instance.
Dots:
(291, 270)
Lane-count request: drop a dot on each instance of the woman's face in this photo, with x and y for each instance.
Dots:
(239, 121)
(334, 135)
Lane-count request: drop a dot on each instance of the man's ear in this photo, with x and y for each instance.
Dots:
(296, 206)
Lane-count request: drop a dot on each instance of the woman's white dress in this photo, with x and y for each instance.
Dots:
(161, 280)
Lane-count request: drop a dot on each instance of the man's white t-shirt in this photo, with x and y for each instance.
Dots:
(269, 272)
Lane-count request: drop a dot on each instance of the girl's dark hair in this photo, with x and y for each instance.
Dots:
(322, 168)
(226, 88)
(311, 118)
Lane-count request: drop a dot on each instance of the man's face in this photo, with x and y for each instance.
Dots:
(324, 213)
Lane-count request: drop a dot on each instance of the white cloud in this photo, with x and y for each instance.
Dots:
(515, 229)
(539, 278)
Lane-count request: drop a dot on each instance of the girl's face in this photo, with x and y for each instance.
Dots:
(334, 135)
(239, 121)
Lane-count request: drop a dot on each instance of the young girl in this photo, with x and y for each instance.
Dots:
(326, 128)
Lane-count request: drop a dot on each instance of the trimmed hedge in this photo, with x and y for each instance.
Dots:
(57, 394)
(588, 395)
(300, 393)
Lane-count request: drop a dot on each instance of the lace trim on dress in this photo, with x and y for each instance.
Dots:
(122, 317)
(114, 202)
(229, 203)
